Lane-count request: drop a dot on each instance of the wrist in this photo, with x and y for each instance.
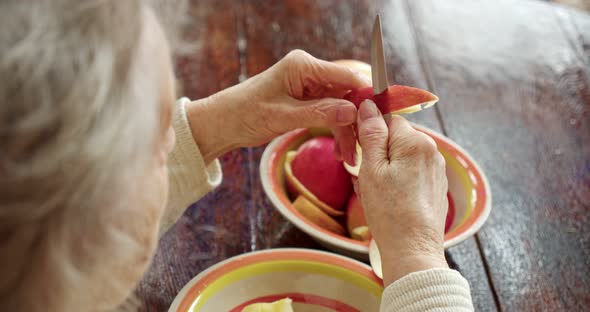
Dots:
(210, 134)
(399, 265)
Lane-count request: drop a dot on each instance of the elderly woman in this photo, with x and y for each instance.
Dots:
(87, 136)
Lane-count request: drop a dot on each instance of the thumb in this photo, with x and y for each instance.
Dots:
(373, 134)
(326, 112)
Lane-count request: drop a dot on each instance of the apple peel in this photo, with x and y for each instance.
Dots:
(295, 184)
(315, 215)
(395, 99)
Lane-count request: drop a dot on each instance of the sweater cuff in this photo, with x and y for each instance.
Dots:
(190, 178)
(430, 290)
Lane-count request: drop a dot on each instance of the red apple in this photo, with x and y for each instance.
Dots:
(295, 188)
(355, 214)
(450, 213)
(356, 223)
(317, 168)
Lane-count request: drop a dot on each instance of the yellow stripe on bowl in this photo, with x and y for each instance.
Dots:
(461, 172)
(286, 266)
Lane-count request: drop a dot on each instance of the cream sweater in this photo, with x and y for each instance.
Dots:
(191, 179)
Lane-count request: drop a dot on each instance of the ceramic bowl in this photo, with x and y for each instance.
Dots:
(468, 187)
(314, 280)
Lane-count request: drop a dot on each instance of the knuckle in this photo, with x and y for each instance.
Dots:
(425, 144)
(398, 120)
(398, 124)
(297, 54)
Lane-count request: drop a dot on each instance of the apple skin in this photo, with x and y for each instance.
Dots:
(394, 98)
(355, 213)
(450, 213)
(317, 168)
(295, 188)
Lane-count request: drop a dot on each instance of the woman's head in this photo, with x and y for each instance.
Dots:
(85, 103)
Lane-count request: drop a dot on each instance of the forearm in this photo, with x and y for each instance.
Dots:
(210, 120)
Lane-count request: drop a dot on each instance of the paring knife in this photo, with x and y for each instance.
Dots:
(380, 83)
(378, 65)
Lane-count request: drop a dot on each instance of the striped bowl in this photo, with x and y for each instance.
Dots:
(314, 280)
(468, 187)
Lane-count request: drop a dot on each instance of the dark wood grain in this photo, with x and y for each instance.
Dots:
(340, 29)
(517, 97)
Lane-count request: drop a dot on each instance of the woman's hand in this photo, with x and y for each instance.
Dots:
(297, 92)
(403, 186)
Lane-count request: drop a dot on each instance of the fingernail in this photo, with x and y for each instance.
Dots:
(346, 114)
(368, 110)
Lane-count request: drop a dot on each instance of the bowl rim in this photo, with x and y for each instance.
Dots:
(473, 223)
(187, 295)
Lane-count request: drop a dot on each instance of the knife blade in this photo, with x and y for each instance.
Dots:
(378, 65)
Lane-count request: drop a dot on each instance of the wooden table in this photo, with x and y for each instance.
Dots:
(514, 83)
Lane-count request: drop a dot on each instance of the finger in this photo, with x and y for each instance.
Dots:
(373, 134)
(346, 142)
(327, 112)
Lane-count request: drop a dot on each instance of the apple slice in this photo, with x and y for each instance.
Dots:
(283, 305)
(294, 184)
(361, 233)
(315, 215)
(354, 170)
(395, 99)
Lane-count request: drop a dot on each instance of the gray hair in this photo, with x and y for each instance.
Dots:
(79, 125)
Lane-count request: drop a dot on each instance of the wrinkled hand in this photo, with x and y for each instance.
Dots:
(299, 91)
(403, 186)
